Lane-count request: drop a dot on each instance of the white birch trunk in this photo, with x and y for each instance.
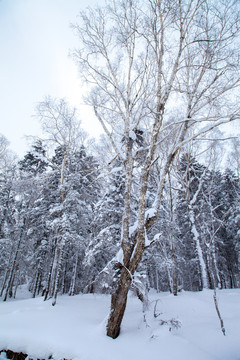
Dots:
(74, 276)
(129, 93)
(58, 272)
(196, 238)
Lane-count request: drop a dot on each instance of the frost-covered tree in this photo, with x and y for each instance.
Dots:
(71, 181)
(226, 229)
(205, 202)
(9, 230)
(18, 268)
(34, 162)
(7, 221)
(62, 130)
(33, 171)
(193, 180)
(162, 258)
(138, 56)
(106, 231)
(81, 195)
(7, 176)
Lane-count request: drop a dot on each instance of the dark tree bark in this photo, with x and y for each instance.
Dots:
(36, 284)
(118, 305)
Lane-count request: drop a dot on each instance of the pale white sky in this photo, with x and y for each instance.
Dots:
(35, 38)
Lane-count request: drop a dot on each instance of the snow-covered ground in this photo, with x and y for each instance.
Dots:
(75, 327)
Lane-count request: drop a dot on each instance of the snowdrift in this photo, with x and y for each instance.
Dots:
(185, 327)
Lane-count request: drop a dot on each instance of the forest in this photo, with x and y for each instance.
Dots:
(151, 204)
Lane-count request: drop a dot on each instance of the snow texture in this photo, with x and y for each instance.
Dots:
(185, 327)
(132, 135)
(119, 256)
(133, 229)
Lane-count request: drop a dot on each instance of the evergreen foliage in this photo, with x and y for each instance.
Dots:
(84, 215)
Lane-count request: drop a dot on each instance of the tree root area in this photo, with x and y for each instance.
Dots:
(21, 356)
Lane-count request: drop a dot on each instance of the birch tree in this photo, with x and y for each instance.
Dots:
(144, 62)
(193, 184)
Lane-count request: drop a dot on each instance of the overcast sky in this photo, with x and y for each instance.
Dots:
(35, 39)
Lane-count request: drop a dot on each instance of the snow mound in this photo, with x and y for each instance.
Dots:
(185, 327)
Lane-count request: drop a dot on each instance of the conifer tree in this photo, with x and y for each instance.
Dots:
(106, 230)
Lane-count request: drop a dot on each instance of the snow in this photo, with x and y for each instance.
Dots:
(150, 213)
(119, 256)
(132, 135)
(75, 327)
(116, 169)
(133, 229)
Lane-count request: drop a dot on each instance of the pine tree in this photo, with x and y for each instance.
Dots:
(34, 162)
(227, 231)
(7, 221)
(69, 219)
(105, 243)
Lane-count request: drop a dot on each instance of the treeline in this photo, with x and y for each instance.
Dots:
(61, 221)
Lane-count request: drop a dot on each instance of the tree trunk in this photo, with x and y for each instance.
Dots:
(118, 304)
(157, 280)
(36, 284)
(5, 280)
(172, 244)
(74, 276)
(58, 272)
(174, 275)
(49, 281)
(16, 287)
(203, 270)
(218, 312)
(63, 280)
(9, 291)
(39, 283)
(12, 270)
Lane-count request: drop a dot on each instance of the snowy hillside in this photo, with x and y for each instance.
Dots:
(75, 327)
